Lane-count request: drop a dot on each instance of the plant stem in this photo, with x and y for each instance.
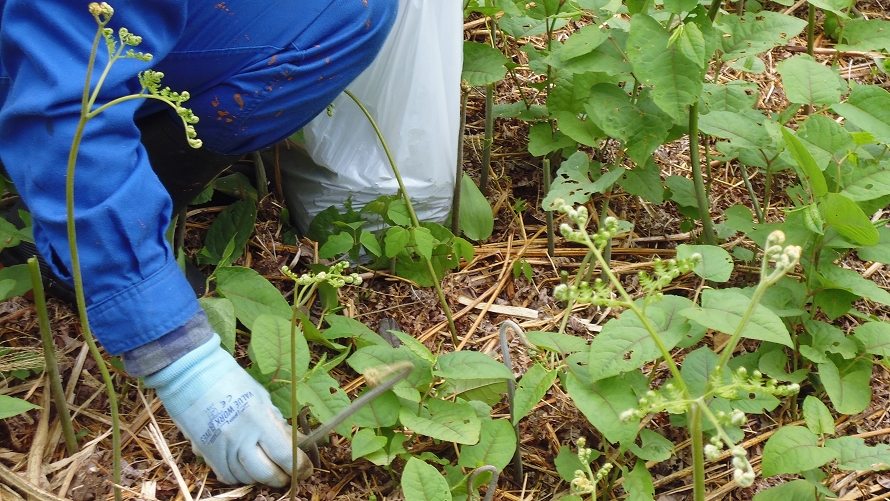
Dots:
(488, 140)
(551, 237)
(698, 453)
(293, 397)
(758, 211)
(459, 171)
(261, 182)
(414, 220)
(49, 352)
(701, 196)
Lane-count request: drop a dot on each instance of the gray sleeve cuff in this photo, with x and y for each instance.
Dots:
(154, 356)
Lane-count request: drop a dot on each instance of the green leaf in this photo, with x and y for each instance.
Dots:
(325, 398)
(380, 355)
(221, 315)
(583, 41)
(850, 392)
(422, 482)
(603, 402)
(809, 82)
(415, 346)
(875, 337)
(676, 80)
(233, 226)
(337, 245)
(733, 96)
(10, 236)
(483, 64)
(680, 6)
(880, 252)
(639, 484)
(270, 344)
(795, 490)
(251, 294)
(382, 412)
(654, 446)
(742, 130)
(644, 180)
(613, 111)
(868, 107)
(448, 421)
(672, 305)
(567, 463)
(756, 32)
(424, 242)
(556, 342)
(476, 219)
(394, 447)
(396, 240)
(837, 277)
(471, 365)
(543, 140)
(398, 212)
(692, 44)
(848, 219)
(793, 449)
(805, 160)
(836, 6)
(716, 264)
(854, 455)
(573, 181)
(827, 140)
(624, 344)
(17, 279)
(865, 34)
(867, 182)
(817, 416)
(11, 406)
(497, 443)
(369, 241)
(722, 310)
(365, 442)
(531, 389)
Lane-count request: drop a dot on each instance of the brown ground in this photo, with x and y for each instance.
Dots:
(488, 280)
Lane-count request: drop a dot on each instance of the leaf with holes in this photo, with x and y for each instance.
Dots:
(756, 32)
(624, 344)
(603, 402)
(448, 421)
(854, 455)
(325, 398)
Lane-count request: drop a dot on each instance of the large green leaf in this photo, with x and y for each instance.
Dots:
(817, 416)
(449, 421)
(251, 294)
(734, 96)
(624, 344)
(865, 34)
(880, 252)
(715, 264)
(17, 280)
(756, 32)
(270, 345)
(232, 227)
(531, 389)
(613, 111)
(836, 6)
(380, 355)
(603, 403)
(807, 163)
(722, 310)
(422, 482)
(325, 398)
(867, 182)
(795, 490)
(854, 455)
(849, 280)
(497, 443)
(793, 449)
(364, 442)
(825, 139)
(381, 412)
(559, 343)
(471, 365)
(742, 130)
(476, 219)
(809, 82)
(868, 107)
(11, 406)
(221, 315)
(875, 337)
(483, 64)
(675, 79)
(850, 391)
(583, 42)
(848, 219)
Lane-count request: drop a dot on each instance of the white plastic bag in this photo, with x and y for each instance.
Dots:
(412, 89)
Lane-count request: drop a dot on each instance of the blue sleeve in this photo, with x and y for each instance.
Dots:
(134, 289)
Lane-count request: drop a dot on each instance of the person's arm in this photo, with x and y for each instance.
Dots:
(135, 291)
(138, 301)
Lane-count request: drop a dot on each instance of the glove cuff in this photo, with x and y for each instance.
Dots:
(183, 382)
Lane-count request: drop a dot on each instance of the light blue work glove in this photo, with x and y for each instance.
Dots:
(228, 417)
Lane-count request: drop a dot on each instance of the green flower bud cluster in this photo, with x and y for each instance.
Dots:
(334, 276)
(743, 473)
(665, 271)
(786, 258)
(744, 384)
(596, 293)
(585, 482)
(669, 398)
